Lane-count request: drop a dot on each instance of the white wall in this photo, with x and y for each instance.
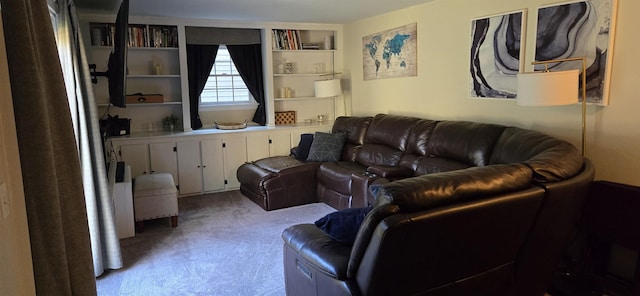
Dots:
(441, 88)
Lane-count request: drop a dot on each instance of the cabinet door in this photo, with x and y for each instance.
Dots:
(163, 159)
(212, 165)
(280, 144)
(137, 156)
(257, 146)
(235, 154)
(189, 167)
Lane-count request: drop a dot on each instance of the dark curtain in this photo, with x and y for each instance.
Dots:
(54, 198)
(200, 59)
(248, 61)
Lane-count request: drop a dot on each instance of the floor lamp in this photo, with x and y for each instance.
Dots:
(328, 89)
(546, 88)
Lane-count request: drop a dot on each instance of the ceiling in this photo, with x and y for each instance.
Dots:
(300, 11)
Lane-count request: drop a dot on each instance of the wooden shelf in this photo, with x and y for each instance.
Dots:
(305, 50)
(153, 76)
(146, 104)
(301, 98)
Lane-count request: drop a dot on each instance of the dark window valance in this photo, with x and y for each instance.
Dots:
(217, 36)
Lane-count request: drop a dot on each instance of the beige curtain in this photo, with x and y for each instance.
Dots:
(53, 189)
(105, 244)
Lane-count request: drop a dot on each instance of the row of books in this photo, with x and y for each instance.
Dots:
(290, 40)
(153, 36)
(286, 39)
(139, 35)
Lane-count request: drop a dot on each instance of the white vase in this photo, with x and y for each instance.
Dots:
(327, 43)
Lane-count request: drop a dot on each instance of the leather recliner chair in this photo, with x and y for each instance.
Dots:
(479, 231)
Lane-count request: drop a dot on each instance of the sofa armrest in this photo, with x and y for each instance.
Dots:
(390, 172)
(433, 190)
(314, 245)
(360, 194)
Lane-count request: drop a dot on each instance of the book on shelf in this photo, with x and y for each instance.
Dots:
(286, 39)
(102, 34)
(310, 46)
(163, 36)
(137, 36)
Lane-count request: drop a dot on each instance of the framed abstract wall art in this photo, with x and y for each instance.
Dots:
(579, 29)
(497, 44)
(391, 53)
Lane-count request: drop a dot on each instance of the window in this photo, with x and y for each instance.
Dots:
(225, 86)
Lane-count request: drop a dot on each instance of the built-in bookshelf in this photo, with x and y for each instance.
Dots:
(301, 57)
(287, 39)
(153, 67)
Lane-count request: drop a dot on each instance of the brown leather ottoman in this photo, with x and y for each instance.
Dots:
(278, 182)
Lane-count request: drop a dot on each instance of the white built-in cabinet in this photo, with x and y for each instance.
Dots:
(148, 158)
(268, 144)
(235, 154)
(135, 155)
(204, 162)
(201, 166)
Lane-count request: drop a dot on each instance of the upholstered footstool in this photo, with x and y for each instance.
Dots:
(278, 182)
(155, 196)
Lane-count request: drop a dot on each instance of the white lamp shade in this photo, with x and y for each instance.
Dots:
(548, 88)
(327, 88)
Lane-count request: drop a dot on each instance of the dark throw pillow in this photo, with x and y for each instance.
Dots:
(302, 150)
(326, 147)
(343, 225)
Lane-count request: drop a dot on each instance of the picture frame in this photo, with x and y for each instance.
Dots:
(391, 53)
(579, 29)
(496, 54)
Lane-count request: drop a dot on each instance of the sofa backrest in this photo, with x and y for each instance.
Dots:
(551, 159)
(429, 146)
(355, 129)
(386, 140)
(464, 141)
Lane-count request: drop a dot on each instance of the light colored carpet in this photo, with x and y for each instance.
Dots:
(224, 245)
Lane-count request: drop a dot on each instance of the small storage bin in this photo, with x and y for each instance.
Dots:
(285, 117)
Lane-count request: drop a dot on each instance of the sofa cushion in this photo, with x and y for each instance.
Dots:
(390, 172)
(337, 175)
(356, 129)
(275, 164)
(419, 137)
(430, 165)
(326, 147)
(464, 141)
(343, 225)
(390, 130)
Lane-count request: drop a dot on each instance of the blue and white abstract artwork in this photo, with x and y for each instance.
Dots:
(496, 48)
(579, 29)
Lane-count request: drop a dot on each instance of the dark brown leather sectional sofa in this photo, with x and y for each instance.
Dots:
(387, 147)
(459, 208)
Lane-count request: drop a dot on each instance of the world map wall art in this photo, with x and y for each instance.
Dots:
(390, 53)
(580, 29)
(496, 50)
